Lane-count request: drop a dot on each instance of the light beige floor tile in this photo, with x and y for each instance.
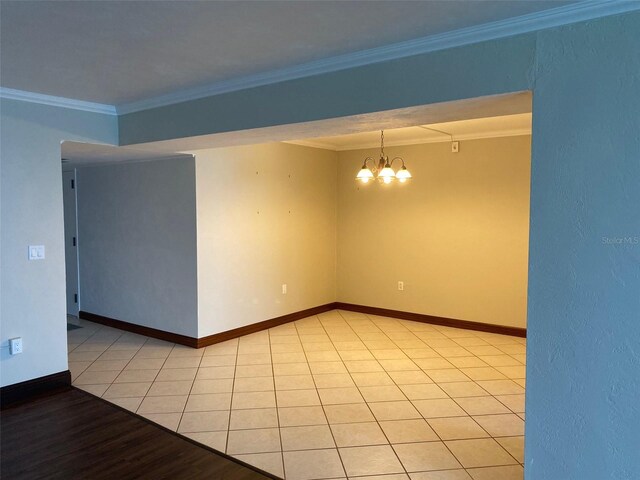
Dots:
(449, 352)
(419, 457)
(379, 344)
(390, 354)
(514, 402)
(216, 385)
(398, 365)
(484, 452)
(222, 349)
(251, 349)
(107, 365)
(289, 357)
(291, 369)
(335, 396)
(358, 434)
(363, 366)
(382, 393)
(203, 421)
(513, 349)
(251, 419)
(118, 390)
(145, 364)
(208, 401)
(253, 441)
(173, 374)
(246, 371)
(128, 403)
(439, 407)
(410, 377)
(424, 352)
(294, 382)
(215, 440)
(501, 387)
(312, 464)
(433, 363)
(182, 351)
(97, 390)
(393, 476)
(457, 474)
(178, 387)
(215, 361)
(447, 375)
(299, 416)
(254, 359)
(374, 460)
(95, 378)
(356, 355)
(358, 412)
(513, 445)
(129, 376)
(208, 373)
(183, 362)
(318, 368)
(483, 350)
(513, 472)
(517, 371)
(151, 353)
(349, 346)
(76, 368)
(287, 348)
(462, 389)
(83, 356)
(483, 373)
(333, 380)
(481, 405)
(268, 462)
(324, 356)
(167, 420)
(457, 428)
(369, 379)
(467, 362)
(408, 431)
(423, 391)
(402, 410)
(253, 384)
(164, 404)
(297, 398)
(507, 425)
(251, 400)
(306, 437)
(318, 347)
(500, 360)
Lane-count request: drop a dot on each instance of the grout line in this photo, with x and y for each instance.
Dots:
(275, 395)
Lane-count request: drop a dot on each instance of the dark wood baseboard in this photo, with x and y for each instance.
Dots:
(208, 340)
(139, 329)
(24, 391)
(256, 327)
(447, 322)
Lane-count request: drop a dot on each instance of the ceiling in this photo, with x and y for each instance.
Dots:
(488, 127)
(117, 52)
(492, 116)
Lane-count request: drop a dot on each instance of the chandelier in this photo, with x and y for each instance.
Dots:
(383, 170)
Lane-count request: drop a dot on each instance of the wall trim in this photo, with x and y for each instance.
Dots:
(566, 14)
(210, 339)
(139, 329)
(24, 391)
(24, 96)
(435, 320)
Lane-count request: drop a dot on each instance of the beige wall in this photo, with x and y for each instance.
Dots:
(266, 215)
(456, 235)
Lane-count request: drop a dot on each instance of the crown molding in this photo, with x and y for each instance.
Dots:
(24, 96)
(515, 132)
(567, 14)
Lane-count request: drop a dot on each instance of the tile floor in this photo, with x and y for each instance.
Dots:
(337, 395)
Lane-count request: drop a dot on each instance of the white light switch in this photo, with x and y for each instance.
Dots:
(36, 252)
(15, 345)
(284, 288)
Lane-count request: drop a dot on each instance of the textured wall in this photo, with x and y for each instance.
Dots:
(457, 234)
(583, 365)
(266, 217)
(32, 300)
(137, 243)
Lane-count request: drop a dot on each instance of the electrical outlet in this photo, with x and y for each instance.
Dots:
(36, 252)
(455, 147)
(284, 288)
(15, 345)
(401, 286)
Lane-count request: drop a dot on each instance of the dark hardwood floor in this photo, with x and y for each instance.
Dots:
(73, 435)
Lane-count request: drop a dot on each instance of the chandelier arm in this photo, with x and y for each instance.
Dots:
(364, 164)
(397, 158)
